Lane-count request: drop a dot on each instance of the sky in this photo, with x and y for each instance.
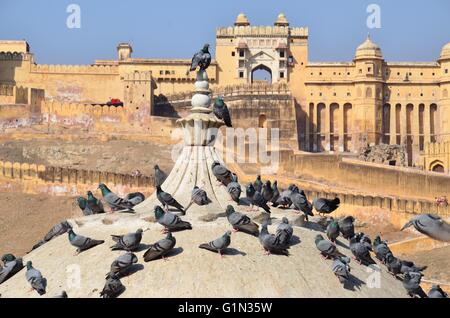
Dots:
(411, 30)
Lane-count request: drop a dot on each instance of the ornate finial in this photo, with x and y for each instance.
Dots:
(368, 36)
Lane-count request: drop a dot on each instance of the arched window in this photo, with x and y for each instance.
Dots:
(262, 73)
(262, 121)
(368, 92)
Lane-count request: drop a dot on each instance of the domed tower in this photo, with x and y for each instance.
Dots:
(368, 114)
(281, 20)
(241, 20)
(444, 103)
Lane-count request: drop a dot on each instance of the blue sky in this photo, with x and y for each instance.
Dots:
(411, 30)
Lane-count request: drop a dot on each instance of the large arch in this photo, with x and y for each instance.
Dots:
(437, 166)
(261, 73)
(386, 123)
(347, 126)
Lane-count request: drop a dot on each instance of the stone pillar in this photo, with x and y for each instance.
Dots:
(415, 134)
(426, 124)
(327, 127)
(341, 128)
(393, 125)
(307, 125)
(403, 122)
(314, 128)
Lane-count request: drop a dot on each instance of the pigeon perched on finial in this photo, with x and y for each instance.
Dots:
(326, 248)
(325, 206)
(234, 188)
(128, 242)
(113, 287)
(82, 243)
(219, 244)
(160, 176)
(200, 59)
(115, 202)
(341, 269)
(411, 282)
(170, 221)
(35, 278)
(256, 198)
(272, 243)
(437, 292)
(221, 111)
(121, 265)
(333, 230)
(12, 265)
(241, 222)
(284, 231)
(160, 248)
(222, 174)
(431, 225)
(167, 200)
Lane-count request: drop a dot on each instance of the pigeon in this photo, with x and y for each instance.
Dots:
(381, 249)
(221, 111)
(55, 231)
(411, 282)
(241, 222)
(267, 191)
(113, 287)
(219, 244)
(301, 203)
(222, 174)
(82, 243)
(333, 230)
(12, 266)
(94, 204)
(62, 295)
(160, 248)
(83, 205)
(258, 184)
(325, 206)
(272, 243)
(135, 197)
(341, 269)
(234, 189)
(256, 199)
(284, 231)
(170, 221)
(431, 225)
(200, 59)
(284, 198)
(122, 264)
(364, 239)
(347, 227)
(326, 248)
(199, 196)
(35, 278)
(160, 176)
(437, 292)
(393, 264)
(360, 251)
(275, 194)
(114, 201)
(167, 200)
(408, 266)
(128, 242)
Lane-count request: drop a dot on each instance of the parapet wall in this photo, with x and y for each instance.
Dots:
(267, 31)
(75, 69)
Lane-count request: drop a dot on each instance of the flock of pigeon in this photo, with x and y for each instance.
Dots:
(258, 194)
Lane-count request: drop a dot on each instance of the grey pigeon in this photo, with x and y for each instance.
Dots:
(284, 199)
(62, 295)
(200, 59)
(347, 227)
(258, 184)
(255, 197)
(364, 239)
(411, 282)
(160, 248)
(128, 242)
(55, 231)
(341, 269)
(275, 194)
(170, 221)
(360, 251)
(35, 278)
(160, 176)
(222, 174)
(219, 244)
(272, 243)
(135, 197)
(431, 225)
(115, 202)
(121, 265)
(301, 203)
(113, 287)
(325, 206)
(199, 196)
(333, 230)
(82, 243)
(12, 265)
(221, 111)
(284, 231)
(393, 264)
(167, 200)
(94, 204)
(408, 266)
(234, 189)
(437, 292)
(326, 248)
(83, 205)
(267, 191)
(241, 222)
(381, 250)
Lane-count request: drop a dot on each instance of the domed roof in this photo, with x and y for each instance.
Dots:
(445, 53)
(368, 49)
(241, 20)
(281, 20)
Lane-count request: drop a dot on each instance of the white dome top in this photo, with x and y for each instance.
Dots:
(445, 53)
(241, 20)
(368, 49)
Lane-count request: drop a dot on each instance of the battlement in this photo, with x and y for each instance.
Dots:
(75, 69)
(138, 76)
(14, 56)
(76, 109)
(261, 31)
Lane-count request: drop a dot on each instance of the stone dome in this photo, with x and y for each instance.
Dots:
(368, 49)
(281, 20)
(241, 20)
(445, 53)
